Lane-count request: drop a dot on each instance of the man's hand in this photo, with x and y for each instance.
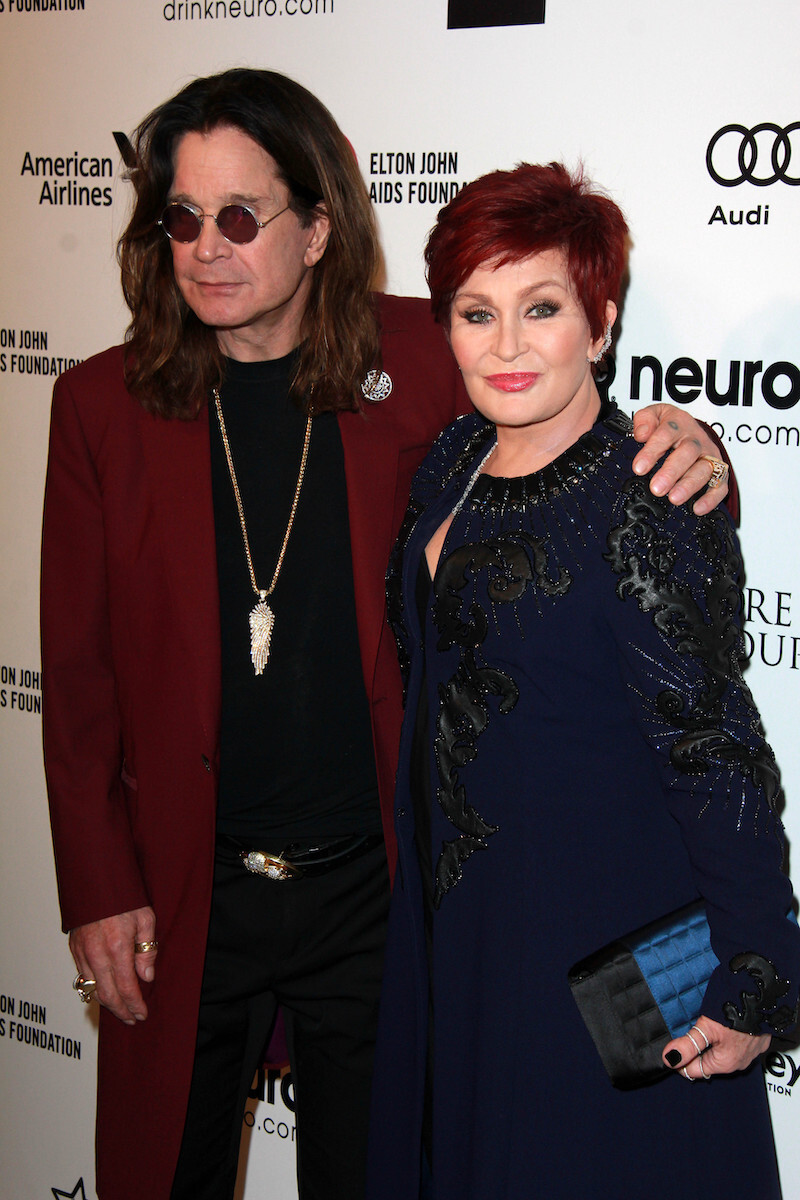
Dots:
(104, 951)
(663, 427)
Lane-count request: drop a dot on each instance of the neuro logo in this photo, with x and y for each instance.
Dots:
(77, 1193)
(482, 14)
(761, 155)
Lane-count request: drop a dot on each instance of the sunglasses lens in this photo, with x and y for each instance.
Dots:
(180, 223)
(237, 224)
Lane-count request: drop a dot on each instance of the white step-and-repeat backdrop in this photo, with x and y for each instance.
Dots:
(688, 113)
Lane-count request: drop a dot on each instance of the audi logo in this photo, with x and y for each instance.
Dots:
(747, 155)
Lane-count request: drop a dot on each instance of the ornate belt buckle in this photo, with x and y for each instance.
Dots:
(270, 866)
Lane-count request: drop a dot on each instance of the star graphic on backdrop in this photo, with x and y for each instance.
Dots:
(77, 1193)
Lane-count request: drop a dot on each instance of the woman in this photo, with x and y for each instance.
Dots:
(580, 754)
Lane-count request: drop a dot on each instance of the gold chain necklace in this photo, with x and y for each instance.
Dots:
(262, 618)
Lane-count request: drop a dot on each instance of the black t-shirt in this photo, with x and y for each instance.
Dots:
(297, 760)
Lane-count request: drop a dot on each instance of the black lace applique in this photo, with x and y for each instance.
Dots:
(760, 1008)
(513, 563)
(642, 553)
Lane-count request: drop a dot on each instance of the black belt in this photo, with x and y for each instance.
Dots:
(296, 860)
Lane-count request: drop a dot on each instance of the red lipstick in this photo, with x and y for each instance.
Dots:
(512, 381)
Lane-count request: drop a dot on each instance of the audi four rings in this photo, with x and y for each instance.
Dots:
(748, 153)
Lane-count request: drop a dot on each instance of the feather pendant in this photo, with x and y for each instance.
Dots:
(262, 619)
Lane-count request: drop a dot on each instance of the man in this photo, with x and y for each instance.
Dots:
(222, 701)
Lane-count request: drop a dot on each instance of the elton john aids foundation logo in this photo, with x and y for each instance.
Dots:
(480, 14)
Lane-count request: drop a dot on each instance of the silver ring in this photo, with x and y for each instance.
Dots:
(703, 1071)
(688, 1076)
(84, 987)
(694, 1043)
(703, 1036)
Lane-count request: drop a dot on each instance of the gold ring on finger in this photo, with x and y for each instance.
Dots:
(719, 470)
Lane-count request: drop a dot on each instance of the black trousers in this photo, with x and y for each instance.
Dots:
(314, 946)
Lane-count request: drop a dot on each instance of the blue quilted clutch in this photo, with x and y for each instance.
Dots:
(644, 989)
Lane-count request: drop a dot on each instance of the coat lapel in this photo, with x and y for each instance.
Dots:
(370, 463)
(178, 460)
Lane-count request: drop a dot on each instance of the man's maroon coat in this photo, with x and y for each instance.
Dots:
(131, 673)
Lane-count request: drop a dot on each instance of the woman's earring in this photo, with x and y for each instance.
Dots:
(605, 345)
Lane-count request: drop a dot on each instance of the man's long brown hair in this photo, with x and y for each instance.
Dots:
(173, 360)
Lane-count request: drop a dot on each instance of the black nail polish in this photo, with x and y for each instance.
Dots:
(673, 1057)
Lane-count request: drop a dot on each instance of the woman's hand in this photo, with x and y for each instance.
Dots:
(663, 427)
(710, 1049)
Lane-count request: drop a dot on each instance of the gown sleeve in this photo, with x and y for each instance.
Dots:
(675, 616)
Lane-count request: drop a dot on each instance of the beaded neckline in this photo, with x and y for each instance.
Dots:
(576, 462)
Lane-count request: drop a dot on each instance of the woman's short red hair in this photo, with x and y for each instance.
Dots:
(507, 216)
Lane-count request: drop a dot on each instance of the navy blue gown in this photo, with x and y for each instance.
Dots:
(581, 755)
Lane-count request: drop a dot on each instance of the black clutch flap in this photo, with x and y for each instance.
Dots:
(644, 989)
